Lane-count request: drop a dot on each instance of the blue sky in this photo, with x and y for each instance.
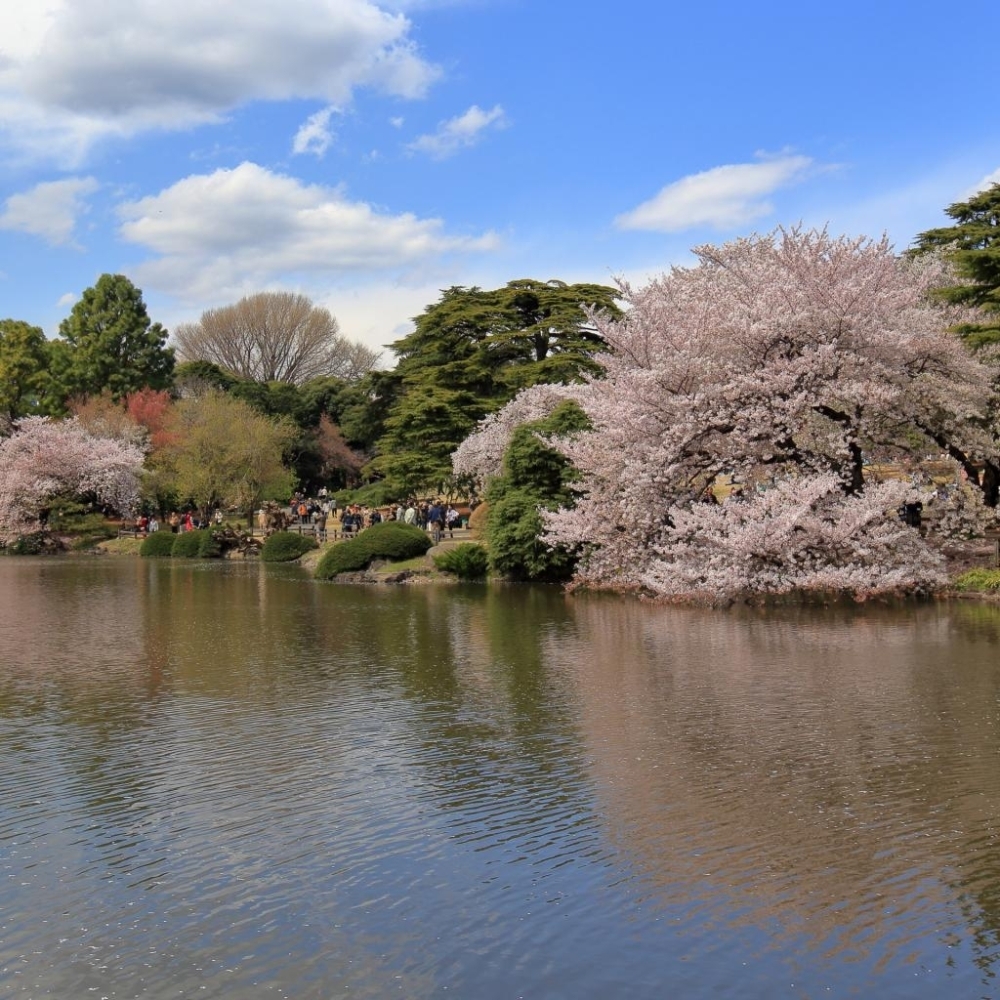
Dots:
(369, 153)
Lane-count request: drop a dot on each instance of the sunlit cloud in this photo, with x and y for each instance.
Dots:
(315, 136)
(230, 231)
(49, 210)
(460, 132)
(73, 71)
(723, 198)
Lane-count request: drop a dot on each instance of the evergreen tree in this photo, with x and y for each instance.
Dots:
(973, 246)
(468, 355)
(23, 370)
(112, 343)
(536, 477)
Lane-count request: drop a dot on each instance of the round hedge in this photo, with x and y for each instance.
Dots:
(187, 544)
(157, 544)
(390, 540)
(285, 546)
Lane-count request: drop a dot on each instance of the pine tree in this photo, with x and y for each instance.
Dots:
(973, 246)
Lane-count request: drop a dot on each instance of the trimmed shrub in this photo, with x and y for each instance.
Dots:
(390, 540)
(157, 545)
(467, 561)
(285, 546)
(209, 546)
(478, 519)
(395, 540)
(187, 544)
(344, 557)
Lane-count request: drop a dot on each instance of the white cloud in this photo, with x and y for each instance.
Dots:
(74, 70)
(987, 181)
(315, 136)
(459, 132)
(222, 234)
(48, 210)
(726, 197)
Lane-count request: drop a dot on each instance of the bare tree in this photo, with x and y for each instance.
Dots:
(274, 337)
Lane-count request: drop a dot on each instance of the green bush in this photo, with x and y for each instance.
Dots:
(390, 540)
(33, 544)
(345, 557)
(209, 546)
(284, 546)
(979, 580)
(187, 544)
(467, 561)
(536, 477)
(157, 545)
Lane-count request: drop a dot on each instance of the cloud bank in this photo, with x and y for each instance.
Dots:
(73, 71)
(216, 235)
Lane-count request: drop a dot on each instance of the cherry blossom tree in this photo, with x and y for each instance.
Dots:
(43, 458)
(785, 361)
(480, 456)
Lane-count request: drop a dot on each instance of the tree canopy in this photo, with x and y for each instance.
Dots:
(972, 244)
(43, 458)
(109, 343)
(222, 451)
(23, 370)
(536, 477)
(468, 354)
(785, 361)
(274, 337)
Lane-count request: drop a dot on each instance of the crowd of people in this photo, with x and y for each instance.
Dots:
(323, 516)
(431, 515)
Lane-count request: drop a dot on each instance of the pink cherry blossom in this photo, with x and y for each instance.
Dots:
(786, 361)
(44, 457)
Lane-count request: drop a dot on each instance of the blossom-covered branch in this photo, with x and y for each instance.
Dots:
(43, 458)
(783, 360)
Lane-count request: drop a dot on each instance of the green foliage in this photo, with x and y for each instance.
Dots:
(467, 561)
(390, 540)
(344, 557)
(973, 246)
(158, 545)
(24, 375)
(535, 477)
(979, 581)
(286, 546)
(376, 494)
(468, 355)
(112, 343)
(196, 377)
(187, 544)
(33, 544)
(514, 536)
(226, 454)
(209, 546)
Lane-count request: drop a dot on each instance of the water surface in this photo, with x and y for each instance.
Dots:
(225, 780)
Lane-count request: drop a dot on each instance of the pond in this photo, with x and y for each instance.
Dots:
(226, 780)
